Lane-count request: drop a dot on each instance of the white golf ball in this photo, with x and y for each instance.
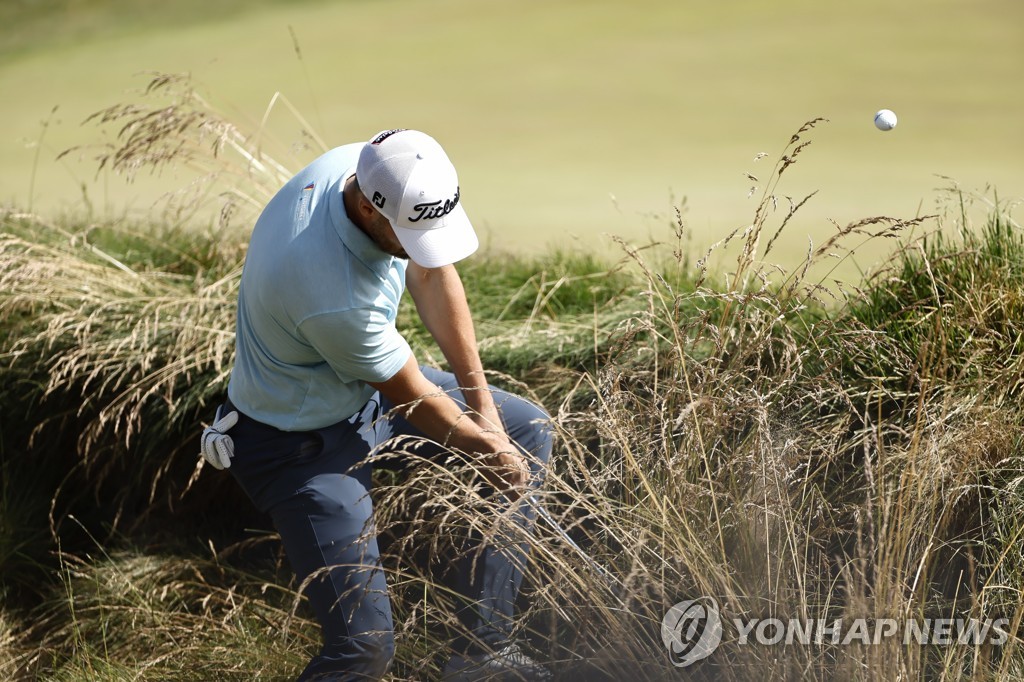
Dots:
(885, 120)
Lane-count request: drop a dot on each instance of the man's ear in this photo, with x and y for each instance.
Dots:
(356, 201)
(365, 208)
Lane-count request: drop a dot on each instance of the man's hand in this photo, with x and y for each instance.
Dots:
(506, 469)
(217, 447)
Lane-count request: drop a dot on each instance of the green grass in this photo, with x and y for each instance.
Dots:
(552, 109)
(936, 305)
(32, 26)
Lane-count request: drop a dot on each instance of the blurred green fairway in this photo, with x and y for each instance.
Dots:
(566, 119)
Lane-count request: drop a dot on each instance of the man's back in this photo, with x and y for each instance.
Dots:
(316, 307)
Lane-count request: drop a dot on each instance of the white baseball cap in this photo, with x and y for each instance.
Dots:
(407, 176)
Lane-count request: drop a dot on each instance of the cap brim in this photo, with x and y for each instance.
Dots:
(441, 245)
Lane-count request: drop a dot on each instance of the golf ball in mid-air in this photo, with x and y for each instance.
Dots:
(885, 120)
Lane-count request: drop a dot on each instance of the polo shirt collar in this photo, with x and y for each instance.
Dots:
(355, 240)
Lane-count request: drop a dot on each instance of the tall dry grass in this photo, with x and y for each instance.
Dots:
(790, 447)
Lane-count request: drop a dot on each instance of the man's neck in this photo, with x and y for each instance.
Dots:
(350, 199)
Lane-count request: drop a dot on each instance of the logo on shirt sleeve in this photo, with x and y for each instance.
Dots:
(302, 207)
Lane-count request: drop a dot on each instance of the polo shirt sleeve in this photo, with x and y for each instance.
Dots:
(358, 344)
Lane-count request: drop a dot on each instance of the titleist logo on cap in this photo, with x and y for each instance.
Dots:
(385, 135)
(434, 209)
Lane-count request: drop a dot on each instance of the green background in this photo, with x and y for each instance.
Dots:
(567, 120)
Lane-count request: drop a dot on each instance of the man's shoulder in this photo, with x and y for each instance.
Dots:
(337, 159)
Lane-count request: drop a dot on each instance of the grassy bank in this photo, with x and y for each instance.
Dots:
(789, 446)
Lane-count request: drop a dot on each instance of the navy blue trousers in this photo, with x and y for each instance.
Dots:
(315, 486)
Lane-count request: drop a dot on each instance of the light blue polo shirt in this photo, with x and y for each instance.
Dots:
(316, 306)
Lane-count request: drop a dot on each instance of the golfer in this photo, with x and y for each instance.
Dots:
(322, 378)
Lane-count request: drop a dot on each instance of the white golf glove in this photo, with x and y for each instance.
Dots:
(217, 446)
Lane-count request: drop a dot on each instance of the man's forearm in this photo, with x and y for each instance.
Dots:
(441, 303)
(434, 413)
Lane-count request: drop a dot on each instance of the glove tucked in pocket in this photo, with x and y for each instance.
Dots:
(217, 447)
